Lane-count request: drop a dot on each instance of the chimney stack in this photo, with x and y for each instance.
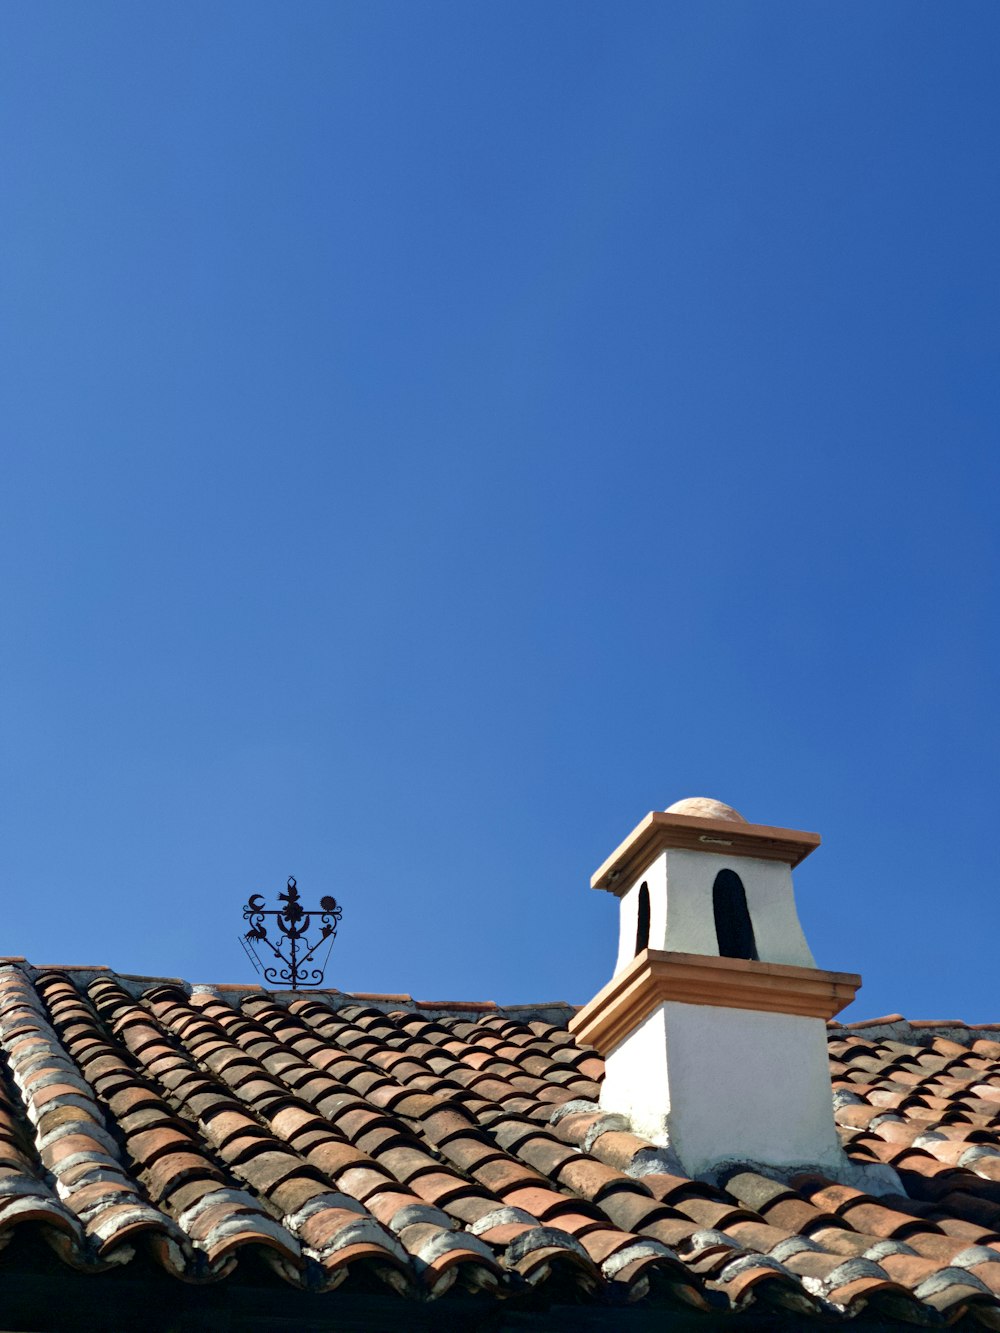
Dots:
(713, 1027)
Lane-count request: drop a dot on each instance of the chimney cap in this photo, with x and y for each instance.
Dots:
(711, 831)
(705, 807)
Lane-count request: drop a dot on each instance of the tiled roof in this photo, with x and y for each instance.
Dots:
(441, 1148)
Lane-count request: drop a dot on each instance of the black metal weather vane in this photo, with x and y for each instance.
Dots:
(289, 942)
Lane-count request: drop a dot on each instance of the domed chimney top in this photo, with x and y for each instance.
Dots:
(704, 807)
(699, 823)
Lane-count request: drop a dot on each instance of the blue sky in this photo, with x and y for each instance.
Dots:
(435, 435)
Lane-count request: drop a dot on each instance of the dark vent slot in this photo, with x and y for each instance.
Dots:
(733, 927)
(642, 924)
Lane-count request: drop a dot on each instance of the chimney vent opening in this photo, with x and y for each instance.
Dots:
(642, 920)
(733, 927)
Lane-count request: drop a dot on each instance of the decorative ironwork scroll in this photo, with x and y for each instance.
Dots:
(288, 939)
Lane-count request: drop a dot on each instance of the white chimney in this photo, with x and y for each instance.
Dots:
(713, 1027)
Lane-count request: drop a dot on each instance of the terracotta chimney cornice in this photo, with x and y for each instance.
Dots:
(660, 830)
(655, 976)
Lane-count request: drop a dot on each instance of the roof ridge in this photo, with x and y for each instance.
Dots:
(919, 1030)
(138, 984)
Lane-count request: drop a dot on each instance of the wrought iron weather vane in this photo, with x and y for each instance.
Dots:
(289, 942)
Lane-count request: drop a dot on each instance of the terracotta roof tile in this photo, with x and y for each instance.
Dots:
(440, 1143)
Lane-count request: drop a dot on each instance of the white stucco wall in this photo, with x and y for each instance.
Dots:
(681, 913)
(655, 877)
(727, 1084)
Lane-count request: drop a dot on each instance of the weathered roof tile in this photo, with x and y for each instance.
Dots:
(444, 1143)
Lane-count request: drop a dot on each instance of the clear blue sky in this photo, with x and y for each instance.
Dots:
(436, 434)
